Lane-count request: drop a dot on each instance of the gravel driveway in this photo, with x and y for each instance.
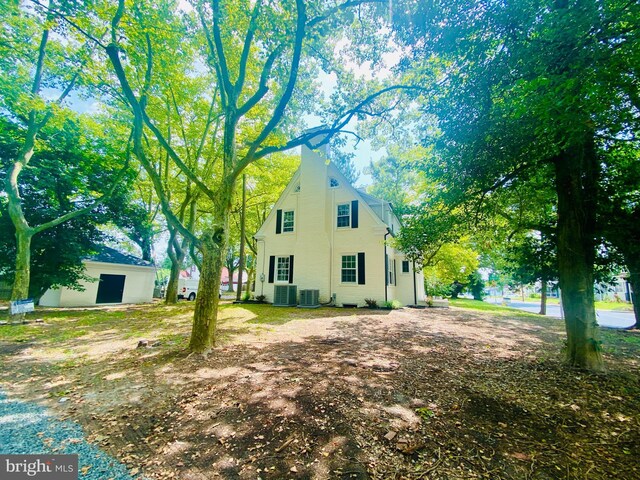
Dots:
(28, 428)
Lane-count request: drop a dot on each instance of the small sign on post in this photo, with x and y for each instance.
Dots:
(21, 306)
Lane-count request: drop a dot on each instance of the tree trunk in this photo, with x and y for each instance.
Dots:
(145, 246)
(20, 290)
(214, 247)
(171, 296)
(230, 284)
(576, 186)
(176, 253)
(203, 332)
(543, 297)
(634, 281)
(242, 230)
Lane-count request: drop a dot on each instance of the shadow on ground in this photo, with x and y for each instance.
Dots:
(342, 394)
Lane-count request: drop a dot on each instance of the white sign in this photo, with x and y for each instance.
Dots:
(22, 306)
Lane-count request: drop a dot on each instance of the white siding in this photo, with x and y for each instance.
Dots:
(138, 286)
(318, 245)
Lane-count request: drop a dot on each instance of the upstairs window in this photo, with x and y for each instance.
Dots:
(344, 215)
(284, 221)
(297, 189)
(405, 266)
(287, 221)
(347, 215)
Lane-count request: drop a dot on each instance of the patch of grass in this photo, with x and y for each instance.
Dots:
(178, 340)
(270, 315)
(489, 307)
(265, 314)
(62, 325)
(622, 306)
(606, 305)
(16, 333)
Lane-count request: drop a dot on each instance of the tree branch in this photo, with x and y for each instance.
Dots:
(262, 87)
(246, 49)
(286, 96)
(219, 49)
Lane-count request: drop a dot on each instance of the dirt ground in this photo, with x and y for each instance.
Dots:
(333, 393)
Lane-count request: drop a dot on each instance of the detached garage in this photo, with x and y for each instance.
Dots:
(117, 278)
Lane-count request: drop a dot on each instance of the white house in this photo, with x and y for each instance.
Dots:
(115, 278)
(324, 235)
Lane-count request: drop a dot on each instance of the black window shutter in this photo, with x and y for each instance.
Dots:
(290, 268)
(395, 273)
(354, 214)
(361, 268)
(272, 267)
(386, 269)
(278, 221)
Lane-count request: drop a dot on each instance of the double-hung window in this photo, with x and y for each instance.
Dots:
(349, 269)
(287, 221)
(405, 266)
(344, 215)
(282, 269)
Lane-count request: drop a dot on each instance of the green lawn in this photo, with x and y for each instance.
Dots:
(621, 306)
(488, 307)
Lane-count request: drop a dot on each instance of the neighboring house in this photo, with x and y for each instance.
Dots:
(325, 235)
(224, 278)
(117, 278)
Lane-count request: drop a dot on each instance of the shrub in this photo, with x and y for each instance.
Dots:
(246, 297)
(393, 304)
(261, 298)
(371, 303)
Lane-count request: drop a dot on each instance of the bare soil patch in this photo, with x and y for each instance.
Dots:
(331, 393)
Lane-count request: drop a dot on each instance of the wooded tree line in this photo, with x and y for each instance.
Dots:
(500, 118)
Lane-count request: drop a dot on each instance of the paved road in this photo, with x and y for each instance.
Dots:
(606, 318)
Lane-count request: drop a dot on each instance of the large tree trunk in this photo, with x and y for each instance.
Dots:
(576, 186)
(203, 332)
(634, 281)
(22, 277)
(214, 246)
(543, 297)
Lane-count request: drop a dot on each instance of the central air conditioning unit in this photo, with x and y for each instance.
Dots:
(285, 296)
(309, 298)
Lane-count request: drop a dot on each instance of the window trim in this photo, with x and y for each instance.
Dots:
(293, 226)
(391, 271)
(402, 272)
(343, 204)
(277, 268)
(355, 268)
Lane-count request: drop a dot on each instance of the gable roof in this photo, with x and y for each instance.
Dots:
(369, 202)
(109, 255)
(376, 202)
